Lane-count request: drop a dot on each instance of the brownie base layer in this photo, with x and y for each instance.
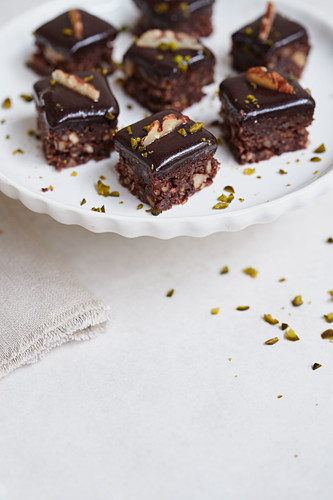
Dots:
(175, 94)
(251, 143)
(96, 57)
(71, 147)
(289, 59)
(161, 193)
(198, 25)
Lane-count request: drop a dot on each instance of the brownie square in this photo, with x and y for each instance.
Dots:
(74, 41)
(73, 127)
(165, 69)
(165, 171)
(193, 17)
(259, 122)
(285, 49)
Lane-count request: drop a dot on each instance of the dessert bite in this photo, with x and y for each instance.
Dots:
(165, 69)
(165, 158)
(77, 117)
(193, 16)
(74, 41)
(264, 114)
(272, 41)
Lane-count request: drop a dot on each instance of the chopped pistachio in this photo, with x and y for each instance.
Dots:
(83, 201)
(109, 115)
(102, 189)
(160, 8)
(327, 334)
(315, 366)
(67, 31)
(241, 200)
(279, 396)
(184, 8)
(282, 172)
(18, 151)
(320, 149)
(129, 106)
(269, 319)
(248, 31)
(74, 174)
(129, 130)
(182, 132)
(170, 292)
(99, 209)
(249, 171)
(250, 271)
(229, 189)
(330, 240)
(272, 341)
(331, 293)
(154, 211)
(102, 177)
(223, 198)
(7, 136)
(284, 326)
(297, 301)
(139, 206)
(291, 335)
(329, 317)
(7, 103)
(242, 308)
(215, 310)
(282, 279)
(224, 270)
(221, 205)
(114, 194)
(145, 128)
(27, 97)
(88, 78)
(134, 142)
(315, 159)
(195, 127)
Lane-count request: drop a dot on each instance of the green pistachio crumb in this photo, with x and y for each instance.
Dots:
(248, 31)
(272, 341)
(224, 270)
(223, 198)
(88, 78)
(215, 310)
(182, 132)
(269, 319)
(7, 103)
(282, 172)
(315, 366)
(67, 31)
(329, 240)
(129, 130)
(327, 334)
(250, 271)
(99, 209)
(195, 127)
(331, 293)
(291, 335)
(297, 301)
(329, 317)
(282, 279)
(170, 292)
(160, 8)
(18, 151)
(249, 171)
(114, 194)
(229, 189)
(284, 326)
(27, 97)
(109, 115)
(242, 308)
(221, 205)
(315, 158)
(320, 149)
(83, 201)
(139, 206)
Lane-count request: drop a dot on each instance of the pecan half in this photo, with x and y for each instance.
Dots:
(76, 22)
(158, 130)
(168, 39)
(273, 80)
(76, 84)
(267, 22)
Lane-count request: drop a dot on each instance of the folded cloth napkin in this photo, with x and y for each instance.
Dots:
(42, 305)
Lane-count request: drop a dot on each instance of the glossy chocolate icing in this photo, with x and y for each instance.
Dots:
(282, 33)
(169, 151)
(175, 10)
(63, 107)
(160, 63)
(94, 30)
(235, 92)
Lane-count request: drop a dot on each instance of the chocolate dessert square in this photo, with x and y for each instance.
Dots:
(164, 69)
(165, 158)
(74, 41)
(193, 17)
(264, 114)
(272, 41)
(77, 117)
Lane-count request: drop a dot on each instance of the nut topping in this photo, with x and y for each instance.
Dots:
(156, 130)
(267, 22)
(273, 80)
(168, 39)
(76, 22)
(76, 84)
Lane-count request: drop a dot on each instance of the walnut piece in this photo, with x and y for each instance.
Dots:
(168, 39)
(76, 22)
(267, 22)
(156, 130)
(76, 84)
(273, 80)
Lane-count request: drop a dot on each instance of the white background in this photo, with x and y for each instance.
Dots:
(154, 409)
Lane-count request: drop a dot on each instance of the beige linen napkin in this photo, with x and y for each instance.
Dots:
(42, 305)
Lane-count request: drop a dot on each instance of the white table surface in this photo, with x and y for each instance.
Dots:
(154, 409)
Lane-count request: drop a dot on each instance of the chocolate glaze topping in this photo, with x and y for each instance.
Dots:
(62, 107)
(235, 92)
(171, 11)
(94, 30)
(161, 63)
(283, 32)
(169, 151)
